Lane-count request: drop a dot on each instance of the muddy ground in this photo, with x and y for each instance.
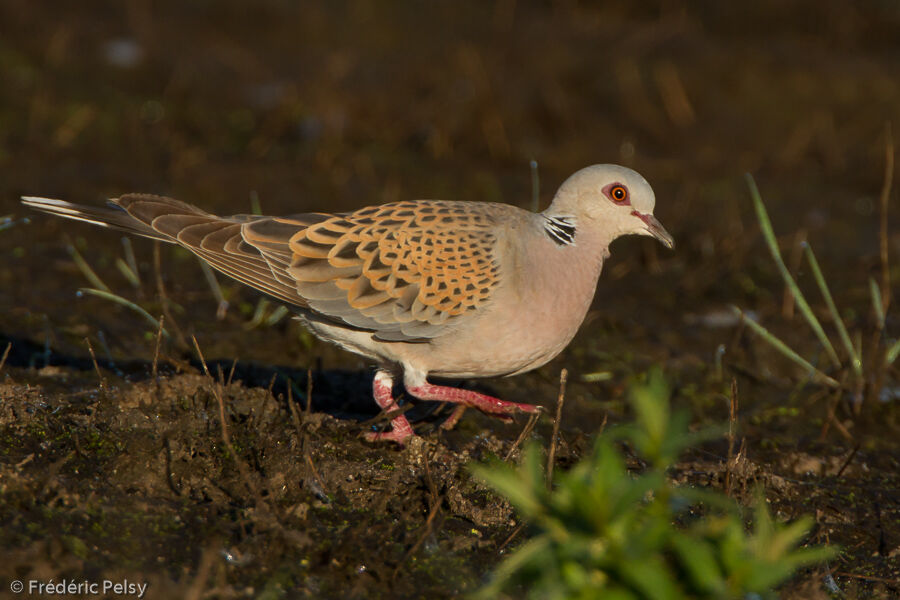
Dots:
(123, 470)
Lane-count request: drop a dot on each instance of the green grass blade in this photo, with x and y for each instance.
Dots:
(255, 206)
(892, 353)
(128, 273)
(877, 304)
(216, 289)
(765, 226)
(86, 269)
(535, 186)
(855, 361)
(783, 348)
(124, 302)
(130, 259)
(277, 315)
(259, 315)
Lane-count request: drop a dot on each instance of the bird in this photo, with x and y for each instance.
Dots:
(424, 288)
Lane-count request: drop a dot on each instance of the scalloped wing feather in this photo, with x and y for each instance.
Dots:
(405, 271)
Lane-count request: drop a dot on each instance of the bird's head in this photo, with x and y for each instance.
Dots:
(616, 198)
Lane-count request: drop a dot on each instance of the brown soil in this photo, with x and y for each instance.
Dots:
(114, 472)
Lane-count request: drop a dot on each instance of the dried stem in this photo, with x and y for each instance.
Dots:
(309, 389)
(162, 319)
(96, 366)
(164, 299)
(532, 421)
(5, 355)
(883, 232)
(551, 458)
(732, 426)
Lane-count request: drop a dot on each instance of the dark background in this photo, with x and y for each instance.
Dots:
(331, 106)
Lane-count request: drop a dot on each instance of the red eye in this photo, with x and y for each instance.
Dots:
(618, 193)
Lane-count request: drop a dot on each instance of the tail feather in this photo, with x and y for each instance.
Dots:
(111, 216)
(216, 240)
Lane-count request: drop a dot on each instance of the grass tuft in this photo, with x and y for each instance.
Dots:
(106, 294)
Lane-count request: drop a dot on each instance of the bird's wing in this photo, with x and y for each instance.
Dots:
(405, 271)
(217, 240)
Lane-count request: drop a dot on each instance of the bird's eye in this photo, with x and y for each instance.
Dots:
(619, 193)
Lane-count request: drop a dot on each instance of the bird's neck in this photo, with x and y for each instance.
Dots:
(578, 236)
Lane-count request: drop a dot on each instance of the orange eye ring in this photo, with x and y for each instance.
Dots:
(618, 193)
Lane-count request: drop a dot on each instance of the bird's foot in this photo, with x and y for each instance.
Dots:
(401, 431)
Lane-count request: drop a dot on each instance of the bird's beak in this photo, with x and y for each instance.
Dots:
(655, 228)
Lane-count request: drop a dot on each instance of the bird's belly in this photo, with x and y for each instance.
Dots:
(500, 346)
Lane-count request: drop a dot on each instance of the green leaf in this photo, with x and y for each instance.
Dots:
(529, 552)
(651, 578)
(698, 557)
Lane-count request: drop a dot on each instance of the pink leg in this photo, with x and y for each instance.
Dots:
(484, 403)
(401, 430)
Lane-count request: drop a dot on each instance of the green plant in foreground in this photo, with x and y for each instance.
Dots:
(606, 533)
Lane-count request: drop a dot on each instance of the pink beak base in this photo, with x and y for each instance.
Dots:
(655, 228)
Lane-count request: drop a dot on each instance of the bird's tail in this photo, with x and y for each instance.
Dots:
(133, 213)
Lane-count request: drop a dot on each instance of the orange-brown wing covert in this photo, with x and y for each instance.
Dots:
(405, 270)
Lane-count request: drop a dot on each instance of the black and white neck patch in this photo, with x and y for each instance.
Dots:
(561, 230)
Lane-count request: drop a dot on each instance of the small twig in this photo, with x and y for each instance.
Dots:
(387, 416)
(847, 461)
(226, 436)
(301, 439)
(309, 389)
(170, 479)
(532, 421)
(207, 559)
(96, 366)
(892, 582)
(162, 319)
(231, 372)
(511, 537)
(885, 197)
(200, 354)
(732, 425)
(560, 400)
(164, 299)
(429, 481)
(5, 355)
(315, 473)
(436, 502)
(295, 417)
